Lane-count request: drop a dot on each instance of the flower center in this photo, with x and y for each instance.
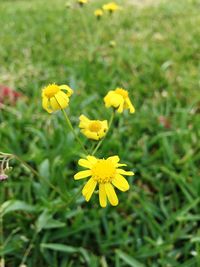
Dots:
(103, 171)
(122, 92)
(51, 90)
(95, 126)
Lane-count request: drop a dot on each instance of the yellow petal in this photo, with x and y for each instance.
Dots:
(84, 118)
(102, 196)
(105, 124)
(85, 163)
(90, 135)
(82, 174)
(46, 104)
(117, 100)
(84, 121)
(121, 183)
(114, 159)
(130, 106)
(92, 159)
(101, 133)
(89, 188)
(62, 99)
(121, 107)
(121, 164)
(113, 99)
(64, 95)
(123, 172)
(110, 192)
(54, 104)
(107, 99)
(67, 88)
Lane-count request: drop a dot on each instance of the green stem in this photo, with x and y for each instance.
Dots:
(41, 177)
(73, 131)
(28, 250)
(100, 142)
(74, 197)
(2, 260)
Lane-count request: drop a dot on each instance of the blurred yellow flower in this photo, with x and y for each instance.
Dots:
(82, 2)
(112, 44)
(119, 99)
(93, 129)
(98, 13)
(68, 5)
(105, 173)
(55, 97)
(111, 7)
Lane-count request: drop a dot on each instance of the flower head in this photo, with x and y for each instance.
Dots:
(98, 13)
(93, 129)
(8, 95)
(82, 2)
(106, 173)
(55, 97)
(119, 99)
(3, 177)
(111, 7)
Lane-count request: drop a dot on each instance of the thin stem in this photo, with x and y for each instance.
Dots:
(100, 142)
(74, 197)
(2, 260)
(92, 148)
(73, 131)
(41, 177)
(28, 250)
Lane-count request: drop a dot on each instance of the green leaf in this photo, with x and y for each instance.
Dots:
(60, 247)
(67, 249)
(45, 221)
(128, 259)
(44, 169)
(15, 205)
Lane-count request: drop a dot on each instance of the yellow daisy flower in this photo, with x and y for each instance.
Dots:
(111, 7)
(98, 13)
(55, 97)
(93, 129)
(82, 2)
(106, 174)
(119, 99)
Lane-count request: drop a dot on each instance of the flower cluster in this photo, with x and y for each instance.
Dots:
(109, 7)
(106, 173)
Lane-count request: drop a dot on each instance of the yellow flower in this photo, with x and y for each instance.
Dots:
(106, 174)
(111, 7)
(93, 129)
(55, 97)
(68, 5)
(119, 99)
(98, 13)
(82, 2)
(112, 44)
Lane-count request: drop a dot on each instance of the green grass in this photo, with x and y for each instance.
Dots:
(156, 58)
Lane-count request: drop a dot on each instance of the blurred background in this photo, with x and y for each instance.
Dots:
(150, 48)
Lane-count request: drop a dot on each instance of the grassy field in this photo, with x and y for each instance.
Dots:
(156, 58)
